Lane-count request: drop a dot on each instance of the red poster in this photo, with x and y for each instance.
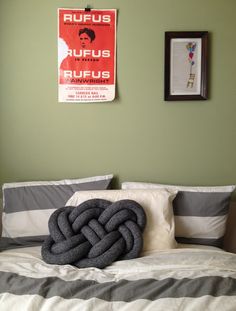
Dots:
(86, 55)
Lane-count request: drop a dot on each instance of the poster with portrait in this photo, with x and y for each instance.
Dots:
(86, 55)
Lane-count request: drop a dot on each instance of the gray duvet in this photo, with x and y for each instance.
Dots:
(178, 279)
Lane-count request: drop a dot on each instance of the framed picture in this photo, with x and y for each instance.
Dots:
(186, 65)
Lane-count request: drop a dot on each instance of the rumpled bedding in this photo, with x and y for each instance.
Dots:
(177, 279)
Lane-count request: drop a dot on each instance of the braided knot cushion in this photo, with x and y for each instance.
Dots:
(95, 233)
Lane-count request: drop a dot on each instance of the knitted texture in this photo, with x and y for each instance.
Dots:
(95, 233)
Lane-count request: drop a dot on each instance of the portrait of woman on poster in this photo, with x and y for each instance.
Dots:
(86, 37)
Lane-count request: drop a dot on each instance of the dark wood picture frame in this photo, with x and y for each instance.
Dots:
(180, 50)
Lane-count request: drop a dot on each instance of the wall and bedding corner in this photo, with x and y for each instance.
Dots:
(139, 136)
(0, 217)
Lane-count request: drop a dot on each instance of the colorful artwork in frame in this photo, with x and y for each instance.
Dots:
(186, 65)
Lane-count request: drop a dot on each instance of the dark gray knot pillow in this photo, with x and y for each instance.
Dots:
(95, 233)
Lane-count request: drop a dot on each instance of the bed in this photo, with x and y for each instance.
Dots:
(166, 276)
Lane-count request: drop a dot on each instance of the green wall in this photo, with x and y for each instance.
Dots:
(138, 136)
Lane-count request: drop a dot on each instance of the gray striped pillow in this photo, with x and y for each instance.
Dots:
(27, 207)
(200, 212)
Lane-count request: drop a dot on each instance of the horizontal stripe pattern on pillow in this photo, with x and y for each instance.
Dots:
(27, 207)
(200, 212)
(28, 241)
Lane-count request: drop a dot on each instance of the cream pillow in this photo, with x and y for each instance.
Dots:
(159, 231)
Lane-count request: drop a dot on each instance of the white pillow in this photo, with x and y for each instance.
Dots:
(157, 204)
(146, 185)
